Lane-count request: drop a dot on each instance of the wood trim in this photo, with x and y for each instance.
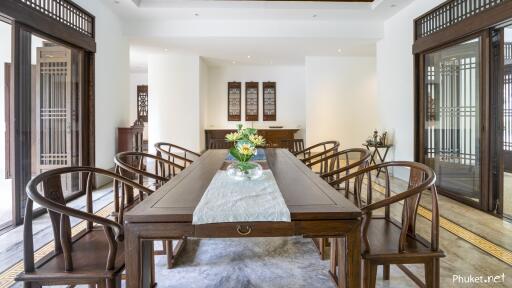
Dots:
(21, 125)
(483, 20)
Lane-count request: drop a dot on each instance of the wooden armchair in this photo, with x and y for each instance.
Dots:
(293, 145)
(340, 164)
(176, 154)
(318, 152)
(135, 164)
(219, 144)
(386, 241)
(95, 256)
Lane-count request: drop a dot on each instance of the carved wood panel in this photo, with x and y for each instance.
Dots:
(234, 101)
(142, 102)
(269, 101)
(251, 101)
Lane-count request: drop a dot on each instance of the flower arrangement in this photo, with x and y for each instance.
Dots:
(245, 142)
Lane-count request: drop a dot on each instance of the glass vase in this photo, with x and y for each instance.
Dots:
(235, 171)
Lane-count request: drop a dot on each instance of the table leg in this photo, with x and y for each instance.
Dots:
(353, 259)
(138, 258)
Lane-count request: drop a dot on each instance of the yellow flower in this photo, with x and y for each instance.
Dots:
(232, 137)
(246, 149)
(257, 140)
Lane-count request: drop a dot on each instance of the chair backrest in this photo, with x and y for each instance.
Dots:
(421, 178)
(219, 144)
(176, 154)
(138, 163)
(53, 200)
(293, 145)
(342, 163)
(317, 152)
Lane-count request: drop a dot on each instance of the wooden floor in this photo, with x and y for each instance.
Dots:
(475, 242)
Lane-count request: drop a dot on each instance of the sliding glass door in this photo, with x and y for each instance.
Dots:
(6, 196)
(452, 118)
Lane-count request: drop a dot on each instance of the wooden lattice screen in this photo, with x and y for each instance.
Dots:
(65, 12)
(142, 103)
(450, 13)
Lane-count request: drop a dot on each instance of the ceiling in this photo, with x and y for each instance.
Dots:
(277, 32)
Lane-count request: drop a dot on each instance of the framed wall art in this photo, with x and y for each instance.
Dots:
(251, 101)
(269, 101)
(234, 101)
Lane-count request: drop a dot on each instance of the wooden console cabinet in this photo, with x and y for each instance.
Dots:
(274, 137)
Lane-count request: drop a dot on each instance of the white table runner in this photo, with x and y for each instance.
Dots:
(230, 200)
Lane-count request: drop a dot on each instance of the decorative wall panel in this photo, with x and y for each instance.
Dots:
(251, 101)
(142, 102)
(269, 101)
(234, 101)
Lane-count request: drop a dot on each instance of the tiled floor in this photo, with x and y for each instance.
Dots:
(476, 244)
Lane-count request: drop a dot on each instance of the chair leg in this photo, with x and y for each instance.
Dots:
(370, 274)
(169, 252)
(432, 273)
(333, 261)
(385, 271)
(115, 282)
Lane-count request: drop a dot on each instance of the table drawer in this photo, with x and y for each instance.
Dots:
(259, 229)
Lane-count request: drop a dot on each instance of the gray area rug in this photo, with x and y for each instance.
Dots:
(247, 262)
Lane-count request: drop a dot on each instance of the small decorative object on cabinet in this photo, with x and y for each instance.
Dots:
(251, 101)
(245, 142)
(375, 144)
(269, 101)
(234, 101)
(142, 103)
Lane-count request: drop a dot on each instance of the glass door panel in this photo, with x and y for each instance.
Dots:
(6, 197)
(452, 118)
(56, 94)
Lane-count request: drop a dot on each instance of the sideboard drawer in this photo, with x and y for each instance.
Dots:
(258, 229)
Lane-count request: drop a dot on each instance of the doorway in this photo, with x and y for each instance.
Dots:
(506, 194)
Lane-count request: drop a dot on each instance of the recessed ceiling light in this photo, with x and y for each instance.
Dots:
(248, 56)
(339, 50)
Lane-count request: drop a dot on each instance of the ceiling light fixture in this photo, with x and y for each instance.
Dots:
(339, 50)
(248, 56)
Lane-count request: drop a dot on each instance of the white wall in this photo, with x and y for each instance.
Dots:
(340, 99)
(395, 78)
(112, 80)
(290, 94)
(174, 100)
(203, 100)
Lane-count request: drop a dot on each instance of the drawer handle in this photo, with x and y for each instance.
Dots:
(247, 231)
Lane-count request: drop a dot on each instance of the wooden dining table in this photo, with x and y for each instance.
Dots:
(316, 210)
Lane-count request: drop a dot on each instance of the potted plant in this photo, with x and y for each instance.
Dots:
(245, 143)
